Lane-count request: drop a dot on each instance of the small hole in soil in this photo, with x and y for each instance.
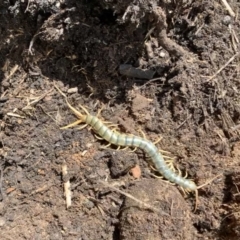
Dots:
(12, 2)
(107, 17)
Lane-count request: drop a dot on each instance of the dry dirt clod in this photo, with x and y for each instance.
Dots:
(137, 222)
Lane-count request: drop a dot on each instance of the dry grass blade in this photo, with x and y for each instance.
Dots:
(66, 185)
(230, 11)
(224, 66)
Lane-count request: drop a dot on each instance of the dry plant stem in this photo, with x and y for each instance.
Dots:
(161, 27)
(15, 115)
(66, 185)
(148, 206)
(13, 70)
(224, 66)
(36, 100)
(230, 11)
(1, 179)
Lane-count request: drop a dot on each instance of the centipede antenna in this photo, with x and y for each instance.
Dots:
(60, 91)
(84, 109)
(76, 112)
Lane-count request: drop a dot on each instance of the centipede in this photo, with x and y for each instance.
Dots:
(125, 140)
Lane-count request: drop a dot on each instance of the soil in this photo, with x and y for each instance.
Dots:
(167, 70)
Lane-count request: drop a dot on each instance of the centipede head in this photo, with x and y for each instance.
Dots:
(82, 117)
(79, 115)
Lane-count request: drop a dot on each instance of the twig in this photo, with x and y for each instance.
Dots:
(29, 1)
(148, 206)
(1, 179)
(32, 42)
(36, 100)
(231, 12)
(41, 189)
(66, 185)
(15, 115)
(225, 65)
(12, 71)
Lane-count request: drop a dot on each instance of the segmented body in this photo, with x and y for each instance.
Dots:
(148, 147)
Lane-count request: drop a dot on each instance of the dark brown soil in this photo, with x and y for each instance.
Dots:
(169, 68)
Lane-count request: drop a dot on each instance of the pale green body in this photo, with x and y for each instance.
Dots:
(147, 146)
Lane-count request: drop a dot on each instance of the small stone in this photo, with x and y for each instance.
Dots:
(136, 172)
(130, 71)
(2, 221)
(2, 205)
(226, 20)
(162, 54)
(72, 90)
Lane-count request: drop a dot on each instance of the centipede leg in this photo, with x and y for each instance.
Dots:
(99, 138)
(100, 110)
(186, 175)
(158, 140)
(119, 148)
(179, 171)
(162, 151)
(170, 165)
(133, 150)
(105, 147)
(184, 191)
(110, 124)
(142, 133)
(73, 124)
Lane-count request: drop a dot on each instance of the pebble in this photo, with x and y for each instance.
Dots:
(130, 71)
(2, 205)
(226, 20)
(162, 54)
(72, 90)
(2, 221)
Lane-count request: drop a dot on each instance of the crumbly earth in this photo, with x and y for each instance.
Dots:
(168, 69)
